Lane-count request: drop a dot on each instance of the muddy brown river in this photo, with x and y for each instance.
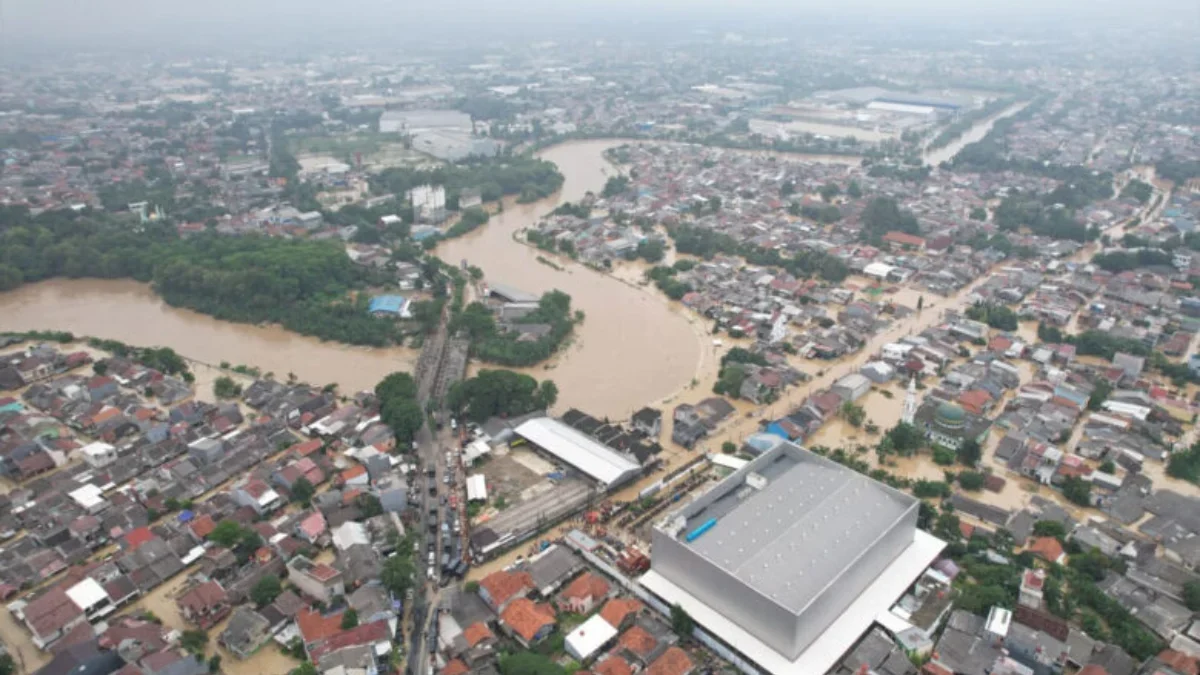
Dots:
(633, 347)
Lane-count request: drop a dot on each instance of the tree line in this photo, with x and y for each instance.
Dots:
(303, 285)
(529, 178)
(502, 393)
(504, 345)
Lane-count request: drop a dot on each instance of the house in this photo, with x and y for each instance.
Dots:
(51, 615)
(674, 661)
(647, 421)
(204, 604)
(584, 593)
(501, 587)
(257, 495)
(904, 240)
(83, 658)
(98, 455)
(528, 622)
(246, 631)
(312, 527)
(620, 612)
(316, 580)
(1048, 549)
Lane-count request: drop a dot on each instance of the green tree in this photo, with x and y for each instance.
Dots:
(305, 668)
(1100, 394)
(905, 439)
(397, 574)
(682, 622)
(1191, 595)
(1077, 491)
(224, 388)
(971, 480)
(651, 250)
(729, 447)
(853, 414)
(266, 590)
(1049, 528)
(100, 367)
(349, 619)
(302, 491)
(969, 452)
(1185, 464)
(829, 191)
(194, 641)
(214, 663)
(227, 534)
(7, 665)
(979, 213)
(854, 190)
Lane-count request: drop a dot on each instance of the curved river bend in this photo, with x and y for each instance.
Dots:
(632, 349)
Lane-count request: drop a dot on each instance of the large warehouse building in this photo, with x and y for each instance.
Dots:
(790, 559)
(581, 452)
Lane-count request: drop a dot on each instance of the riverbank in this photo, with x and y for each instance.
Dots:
(131, 312)
(632, 348)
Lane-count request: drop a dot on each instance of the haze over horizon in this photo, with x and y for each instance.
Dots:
(114, 23)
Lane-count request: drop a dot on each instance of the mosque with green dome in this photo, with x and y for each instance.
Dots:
(948, 424)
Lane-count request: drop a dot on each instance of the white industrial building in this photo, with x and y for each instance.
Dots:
(589, 638)
(428, 202)
(579, 451)
(788, 561)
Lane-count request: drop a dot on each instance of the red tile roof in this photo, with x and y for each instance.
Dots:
(526, 618)
(366, 634)
(476, 633)
(903, 238)
(1046, 548)
(617, 609)
(316, 627)
(638, 641)
(502, 586)
(307, 447)
(674, 661)
(455, 667)
(613, 665)
(587, 585)
(137, 537)
(203, 526)
(203, 597)
(1188, 665)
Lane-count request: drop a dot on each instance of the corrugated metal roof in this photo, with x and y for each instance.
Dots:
(583, 452)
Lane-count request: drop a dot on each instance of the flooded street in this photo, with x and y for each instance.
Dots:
(130, 312)
(634, 346)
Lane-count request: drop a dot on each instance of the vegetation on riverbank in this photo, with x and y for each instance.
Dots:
(500, 392)
(506, 345)
(399, 407)
(495, 177)
(306, 286)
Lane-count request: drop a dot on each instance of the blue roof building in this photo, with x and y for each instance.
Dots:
(390, 305)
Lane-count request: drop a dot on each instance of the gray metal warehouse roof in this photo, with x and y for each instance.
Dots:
(798, 533)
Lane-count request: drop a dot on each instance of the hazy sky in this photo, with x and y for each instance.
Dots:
(91, 21)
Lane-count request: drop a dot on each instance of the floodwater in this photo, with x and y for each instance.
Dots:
(131, 312)
(975, 133)
(634, 346)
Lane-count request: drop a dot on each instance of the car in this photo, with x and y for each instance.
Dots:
(446, 478)
(445, 501)
(453, 424)
(432, 557)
